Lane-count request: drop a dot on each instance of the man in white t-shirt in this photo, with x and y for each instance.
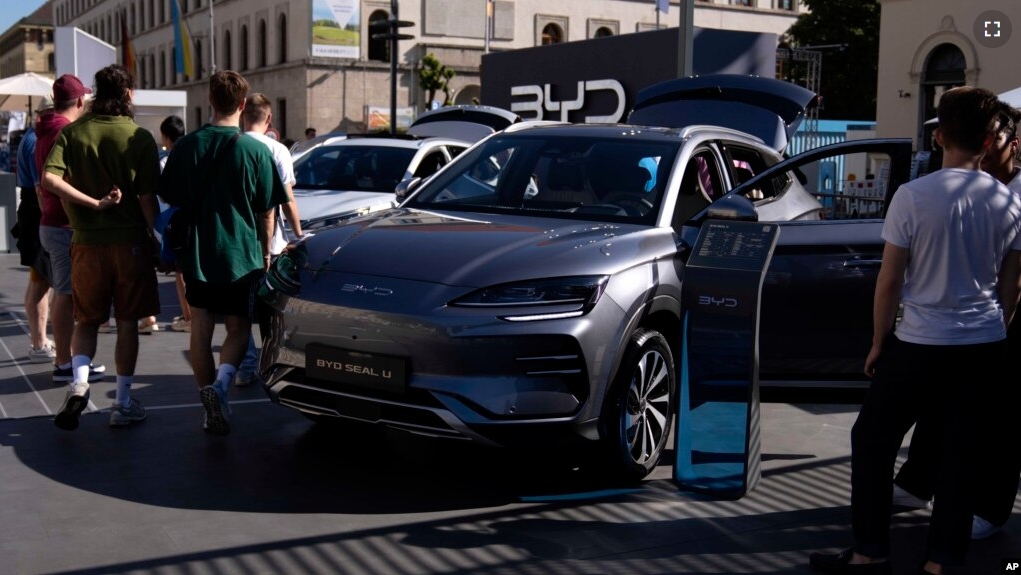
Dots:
(952, 260)
(257, 119)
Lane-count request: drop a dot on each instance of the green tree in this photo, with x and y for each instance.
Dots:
(433, 77)
(848, 75)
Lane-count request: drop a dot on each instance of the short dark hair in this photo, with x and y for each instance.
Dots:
(257, 108)
(112, 95)
(227, 89)
(967, 116)
(310, 131)
(172, 127)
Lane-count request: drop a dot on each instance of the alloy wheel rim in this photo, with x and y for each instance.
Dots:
(648, 407)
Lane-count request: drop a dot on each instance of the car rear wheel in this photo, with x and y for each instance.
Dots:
(639, 409)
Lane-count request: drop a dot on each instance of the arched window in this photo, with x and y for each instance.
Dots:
(131, 22)
(944, 69)
(261, 44)
(163, 68)
(243, 47)
(379, 48)
(198, 59)
(151, 13)
(163, 11)
(226, 50)
(282, 37)
(141, 73)
(603, 32)
(552, 34)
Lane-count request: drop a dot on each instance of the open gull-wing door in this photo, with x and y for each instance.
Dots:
(466, 123)
(763, 107)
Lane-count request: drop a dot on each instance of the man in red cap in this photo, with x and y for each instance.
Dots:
(55, 229)
(112, 246)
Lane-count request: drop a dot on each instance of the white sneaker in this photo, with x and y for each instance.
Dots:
(981, 529)
(44, 354)
(902, 498)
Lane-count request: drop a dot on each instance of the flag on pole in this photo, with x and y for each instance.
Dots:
(183, 63)
(127, 50)
(663, 6)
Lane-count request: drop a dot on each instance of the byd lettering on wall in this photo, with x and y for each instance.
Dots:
(540, 101)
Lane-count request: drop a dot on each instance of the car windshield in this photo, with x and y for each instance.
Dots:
(362, 168)
(579, 177)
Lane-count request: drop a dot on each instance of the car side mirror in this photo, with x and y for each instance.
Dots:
(733, 207)
(405, 187)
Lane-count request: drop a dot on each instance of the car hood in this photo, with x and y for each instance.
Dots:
(475, 251)
(315, 204)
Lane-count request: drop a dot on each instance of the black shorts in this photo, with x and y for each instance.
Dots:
(234, 299)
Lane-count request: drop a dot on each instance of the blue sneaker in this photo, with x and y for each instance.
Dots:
(214, 400)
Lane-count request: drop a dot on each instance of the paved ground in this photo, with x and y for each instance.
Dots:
(280, 495)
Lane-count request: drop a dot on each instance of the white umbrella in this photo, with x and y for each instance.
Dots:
(16, 92)
(1012, 97)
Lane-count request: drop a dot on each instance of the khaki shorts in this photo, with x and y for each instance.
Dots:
(121, 275)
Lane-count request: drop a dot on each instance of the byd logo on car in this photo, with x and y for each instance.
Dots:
(725, 302)
(541, 101)
(355, 288)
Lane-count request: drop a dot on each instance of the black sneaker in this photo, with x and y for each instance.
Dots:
(75, 402)
(96, 373)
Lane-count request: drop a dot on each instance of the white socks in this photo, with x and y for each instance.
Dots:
(123, 396)
(225, 375)
(80, 365)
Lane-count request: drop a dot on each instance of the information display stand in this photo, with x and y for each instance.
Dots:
(717, 431)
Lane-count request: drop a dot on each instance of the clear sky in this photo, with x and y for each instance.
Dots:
(13, 10)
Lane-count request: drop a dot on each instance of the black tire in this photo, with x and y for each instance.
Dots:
(639, 408)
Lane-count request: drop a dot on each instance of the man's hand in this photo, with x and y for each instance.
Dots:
(111, 199)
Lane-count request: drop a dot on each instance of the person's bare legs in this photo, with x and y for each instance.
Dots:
(235, 345)
(62, 317)
(83, 340)
(37, 308)
(185, 308)
(202, 324)
(126, 352)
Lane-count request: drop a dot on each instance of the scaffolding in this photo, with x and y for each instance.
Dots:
(812, 60)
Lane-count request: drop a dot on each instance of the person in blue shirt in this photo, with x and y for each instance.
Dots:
(37, 293)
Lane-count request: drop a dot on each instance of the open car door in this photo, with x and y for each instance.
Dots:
(816, 308)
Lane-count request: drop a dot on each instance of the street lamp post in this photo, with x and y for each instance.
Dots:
(392, 24)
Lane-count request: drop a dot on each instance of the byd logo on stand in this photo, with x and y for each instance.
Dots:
(540, 101)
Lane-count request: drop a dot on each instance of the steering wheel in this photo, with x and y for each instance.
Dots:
(633, 204)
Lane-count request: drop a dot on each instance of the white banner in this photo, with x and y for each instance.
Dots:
(336, 30)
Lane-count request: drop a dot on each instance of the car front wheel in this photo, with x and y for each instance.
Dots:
(639, 408)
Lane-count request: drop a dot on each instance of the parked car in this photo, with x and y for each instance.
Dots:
(344, 176)
(530, 292)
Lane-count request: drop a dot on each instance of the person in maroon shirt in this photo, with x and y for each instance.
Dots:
(54, 229)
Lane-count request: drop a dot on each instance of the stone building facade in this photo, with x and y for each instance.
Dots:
(929, 46)
(27, 46)
(272, 43)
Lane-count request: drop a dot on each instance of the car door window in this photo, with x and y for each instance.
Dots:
(700, 186)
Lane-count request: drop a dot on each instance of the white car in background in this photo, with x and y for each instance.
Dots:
(343, 176)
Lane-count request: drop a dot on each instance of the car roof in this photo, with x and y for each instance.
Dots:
(611, 131)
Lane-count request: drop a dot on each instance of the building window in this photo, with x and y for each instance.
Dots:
(603, 32)
(226, 49)
(552, 34)
(379, 48)
(261, 44)
(243, 46)
(163, 68)
(944, 69)
(741, 2)
(785, 5)
(280, 117)
(198, 59)
(282, 37)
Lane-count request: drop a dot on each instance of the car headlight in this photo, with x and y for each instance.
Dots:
(284, 275)
(573, 296)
